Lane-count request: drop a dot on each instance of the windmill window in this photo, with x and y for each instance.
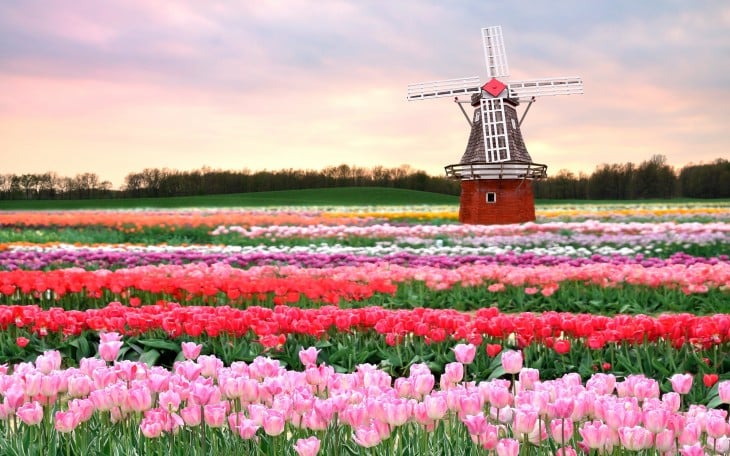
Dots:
(514, 124)
(491, 197)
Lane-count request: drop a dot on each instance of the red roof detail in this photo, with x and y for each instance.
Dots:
(494, 87)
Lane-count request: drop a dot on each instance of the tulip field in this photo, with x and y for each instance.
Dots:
(388, 330)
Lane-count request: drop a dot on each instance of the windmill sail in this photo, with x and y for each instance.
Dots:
(494, 52)
(446, 88)
(525, 90)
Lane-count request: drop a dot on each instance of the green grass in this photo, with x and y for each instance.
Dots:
(345, 196)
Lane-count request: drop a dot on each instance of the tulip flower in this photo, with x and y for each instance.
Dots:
(308, 356)
(31, 413)
(465, 353)
(191, 350)
(512, 361)
(723, 390)
(508, 447)
(681, 383)
(307, 447)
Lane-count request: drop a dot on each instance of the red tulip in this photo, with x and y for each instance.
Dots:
(710, 379)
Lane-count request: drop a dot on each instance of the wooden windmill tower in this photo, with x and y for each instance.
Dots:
(496, 171)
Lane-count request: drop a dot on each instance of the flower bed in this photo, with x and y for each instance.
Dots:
(116, 302)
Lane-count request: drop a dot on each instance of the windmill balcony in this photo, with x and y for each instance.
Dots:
(500, 170)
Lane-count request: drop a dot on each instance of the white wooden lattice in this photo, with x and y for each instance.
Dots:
(494, 127)
(446, 88)
(494, 52)
(525, 90)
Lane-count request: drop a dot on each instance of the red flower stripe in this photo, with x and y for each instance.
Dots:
(435, 325)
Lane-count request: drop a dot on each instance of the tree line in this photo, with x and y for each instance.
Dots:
(653, 178)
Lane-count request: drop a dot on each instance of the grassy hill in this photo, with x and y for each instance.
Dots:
(346, 196)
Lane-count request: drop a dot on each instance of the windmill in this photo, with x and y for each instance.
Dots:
(496, 171)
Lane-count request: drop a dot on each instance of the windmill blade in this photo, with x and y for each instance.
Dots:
(494, 53)
(494, 128)
(446, 88)
(525, 90)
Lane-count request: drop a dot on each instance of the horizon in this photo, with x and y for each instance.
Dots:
(116, 88)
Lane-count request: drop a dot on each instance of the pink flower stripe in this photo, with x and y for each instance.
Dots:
(348, 282)
(263, 398)
(272, 326)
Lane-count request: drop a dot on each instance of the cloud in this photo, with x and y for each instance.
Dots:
(121, 86)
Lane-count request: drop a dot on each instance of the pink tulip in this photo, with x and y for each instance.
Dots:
(469, 403)
(109, 337)
(139, 398)
(308, 356)
(423, 383)
(465, 353)
(307, 447)
(453, 372)
(397, 412)
(247, 429)
(188, 369)
(475, 424)
(528, 377)
(169, 400)
(191, 350)
(209, 365)
(499, 396)
(108, 351)
(561, 430)
(524, 420)
(719, 445)
(692, 450)
(31, 413)
(512, 361)
(66, 421)
(664, 441)
(690, 434)
(436, 406)
(273, 423)
(566, 451)
(82, 408)
(151, 428)
(723, 390)
(656, 420)
(50, 384)
(50, 360)
(595, 434)
(562, 407)
(635, 438)
(32, 386)
(79, 385)
(508, 447)
(367, 437)
(191, 415)
(214, 414)
(716, 426)
(14, 396)
(681, 383)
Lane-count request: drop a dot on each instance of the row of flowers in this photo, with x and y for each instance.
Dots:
(263, 408)
(345, 282)
(313, 215)
(583, 233)
(54, 255)
(271, 326)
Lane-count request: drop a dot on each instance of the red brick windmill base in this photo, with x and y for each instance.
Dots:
(513, 201)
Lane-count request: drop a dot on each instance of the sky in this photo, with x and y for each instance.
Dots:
(115, 87)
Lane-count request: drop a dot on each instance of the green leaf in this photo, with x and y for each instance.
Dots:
(149, 357)
(497, 372)
(161, 344)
